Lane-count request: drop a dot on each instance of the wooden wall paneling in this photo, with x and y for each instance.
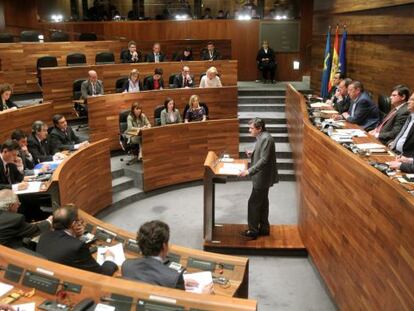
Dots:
(57, 82)
(341, 6)
(98, 286)
(104, 110)
(358, 238)
(23, 118)
(84, 178)
(22, 13)
(186, 145)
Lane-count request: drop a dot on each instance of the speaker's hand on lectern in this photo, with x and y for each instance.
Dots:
(243, 173)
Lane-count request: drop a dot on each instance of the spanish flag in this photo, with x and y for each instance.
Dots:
(335, 60)
(326, 66)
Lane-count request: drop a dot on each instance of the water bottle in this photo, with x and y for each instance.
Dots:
(330, 130)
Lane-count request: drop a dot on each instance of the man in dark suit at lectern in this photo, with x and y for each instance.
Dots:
(263, 171)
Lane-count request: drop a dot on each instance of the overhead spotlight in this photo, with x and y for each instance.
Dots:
(296, 65)
(278, 17)
(116, 18)
(284, 17)
(56, 18)
(182, 17)
(244, 17)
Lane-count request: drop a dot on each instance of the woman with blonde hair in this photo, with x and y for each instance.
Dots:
(195, 112)
(211, 78)
(133, 85)
(136, 120)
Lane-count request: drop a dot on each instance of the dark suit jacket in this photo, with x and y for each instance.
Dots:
(394, 125)
(152, 271)
(263, 169)
(206, 56)
(407, 167)
(14, 176)
(179, 81)
(149, 84)
(366, 112)
(343, 105)
(150, 58)
(125, 87)
(126, 57)
(408, 147)
(39, 150)
(58, 246)
(261, 54)
(86, 88)
(9, 104)
(13, 228)
(58, 141)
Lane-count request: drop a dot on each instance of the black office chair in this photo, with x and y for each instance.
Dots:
(78, 106)
(44, 62)
(59, 36)
(384, 105)
(157, 115)
(126, 146)
(6, 38)
(76, 59)
(102, 58)
(88, 36)
(119, 84)
(144, 82)
(29, 36)
(171, 80)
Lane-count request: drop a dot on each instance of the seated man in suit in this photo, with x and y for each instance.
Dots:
(152, 239)
(37, 143)
(62, 137)
(338, 77)
(156, 56)
(156, 82)
(92, 86)
(393, 122)
(63, 245)
(210, 53)
(404, 142)
(27, 159)
(184, 79)
(131, 55)
(11, 166)
(362, 110)
(13, 227)
(341, 100)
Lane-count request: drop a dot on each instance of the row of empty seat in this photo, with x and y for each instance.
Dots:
(36, 36)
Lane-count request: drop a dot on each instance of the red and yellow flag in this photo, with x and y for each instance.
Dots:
(335, 60)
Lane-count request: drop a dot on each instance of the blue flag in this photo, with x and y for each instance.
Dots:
(326, 66)
(342, 55)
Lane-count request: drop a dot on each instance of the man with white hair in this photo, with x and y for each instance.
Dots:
(13, 227)
(92, 86)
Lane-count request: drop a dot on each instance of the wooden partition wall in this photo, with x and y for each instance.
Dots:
(356, 223)
(23, 119)
(101, 288)
(104, 110)
(58, 82)
(175, 154)
(380, 36)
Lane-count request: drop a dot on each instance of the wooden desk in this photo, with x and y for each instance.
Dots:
(23, 118)
(100, 287)
(84, 178)
(235, 269)
(356, 223)
(57, 82)
(18, 60)
(186, 145)
(104, 110)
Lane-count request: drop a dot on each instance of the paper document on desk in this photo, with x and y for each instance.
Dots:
(351, 132)
(370, 146)
(34, 186)
(31, 306)
(204, 280)
(320, 105)
(52, 165)
(5, 288)
(231, 168)
(117, 250)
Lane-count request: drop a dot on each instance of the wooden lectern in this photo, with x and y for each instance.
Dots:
(226, 238)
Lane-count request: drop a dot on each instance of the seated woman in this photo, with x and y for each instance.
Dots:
(136, 120)
(170, 114)
(5, 93)
(266, 62)
(133, 85)
(195, 112)
(131, 55)
(156, 82)
(211, 78)
(185, 56)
